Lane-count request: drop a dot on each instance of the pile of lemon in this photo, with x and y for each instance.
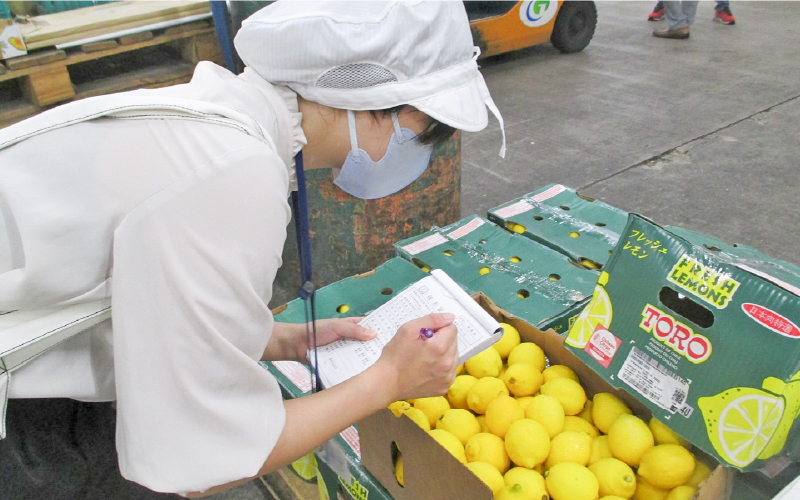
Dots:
(531, 433)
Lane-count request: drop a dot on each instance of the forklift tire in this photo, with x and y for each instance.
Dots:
(574, 27)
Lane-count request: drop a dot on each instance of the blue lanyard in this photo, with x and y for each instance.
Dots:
(307, 290)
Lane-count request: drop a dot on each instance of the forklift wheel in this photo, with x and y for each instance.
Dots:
(574, 27)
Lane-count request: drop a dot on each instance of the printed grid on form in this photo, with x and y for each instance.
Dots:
(353, 357)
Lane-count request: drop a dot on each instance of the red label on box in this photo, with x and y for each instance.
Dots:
(772, 320)
(602, 346)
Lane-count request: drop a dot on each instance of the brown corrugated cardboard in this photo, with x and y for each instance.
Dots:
(431, 472)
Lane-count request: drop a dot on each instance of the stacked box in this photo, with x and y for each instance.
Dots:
(340, 473)
(526, 279)
(556, 216)
(706, 336)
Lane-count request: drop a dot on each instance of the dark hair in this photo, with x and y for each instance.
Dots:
(435, 134)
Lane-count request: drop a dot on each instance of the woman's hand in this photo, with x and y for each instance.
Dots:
(288, 340)
(332, 329)
(422, 367)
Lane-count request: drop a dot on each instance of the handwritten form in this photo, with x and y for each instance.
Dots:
(477, 330)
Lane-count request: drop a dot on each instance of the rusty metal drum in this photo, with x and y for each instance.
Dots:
(351, 236)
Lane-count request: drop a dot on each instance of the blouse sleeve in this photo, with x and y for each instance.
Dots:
(193, 273)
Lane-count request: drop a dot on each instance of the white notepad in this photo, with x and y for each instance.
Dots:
(436, 293)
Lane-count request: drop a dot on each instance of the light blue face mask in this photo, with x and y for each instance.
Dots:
(405, 160)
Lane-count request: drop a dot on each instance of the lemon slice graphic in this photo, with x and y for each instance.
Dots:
(740, 422)
(791, 393)
(597, 312)
(306, 467)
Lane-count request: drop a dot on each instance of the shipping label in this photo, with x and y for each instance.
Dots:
(658, 384)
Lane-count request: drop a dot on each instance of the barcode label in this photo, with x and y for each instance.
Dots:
(658, 384)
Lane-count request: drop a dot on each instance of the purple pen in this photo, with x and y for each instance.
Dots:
(426, 333)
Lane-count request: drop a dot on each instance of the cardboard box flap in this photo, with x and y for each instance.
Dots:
(430, 471)
(710, 348)
(783, 274)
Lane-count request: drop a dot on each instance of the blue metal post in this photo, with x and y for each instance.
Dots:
(222, 24)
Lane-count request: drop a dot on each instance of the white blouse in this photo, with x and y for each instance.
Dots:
(182, 224)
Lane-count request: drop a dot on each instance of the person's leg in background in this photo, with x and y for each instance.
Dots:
(658, 12)
(723, 14)
(680, 15)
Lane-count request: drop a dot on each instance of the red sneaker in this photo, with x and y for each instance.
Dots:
(724, 16)
(658, 12)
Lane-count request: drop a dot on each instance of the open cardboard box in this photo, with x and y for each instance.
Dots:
(431, 472)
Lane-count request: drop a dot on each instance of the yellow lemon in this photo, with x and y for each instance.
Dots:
(398, 407)
(524, 401)
(586, 413)
(528, 352)
(606, 407)
(513, 492)
(418, 417)
(450, 443)
(700, 474)
(629, 438)
(522, 379)
(569, 446)
(568, 392)
(486, 363)
(508, 341)
(666, 466)
(306, 467)
(531, 481)
(488, 474)
(457, 393)
(612, 497)
(501, 413)
(664, 435)
(460, 369)
(571, 481)
(433, 408)
(547, 411)
(398, 469)
(527, 443)
(555, 371)
(645, 491)
(575, 423)
(600, 449)
(485, 447)
(484, 392)
(614, 477)
(682, 493)
(460, 423)
(482, 421)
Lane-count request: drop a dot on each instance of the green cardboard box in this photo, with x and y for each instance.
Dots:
(707, 339)
(583, 228)
(340, 473)
(530, 281)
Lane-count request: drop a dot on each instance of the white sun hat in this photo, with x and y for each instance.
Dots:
(370, 55)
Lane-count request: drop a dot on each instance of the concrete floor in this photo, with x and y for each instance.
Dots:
(702, 133)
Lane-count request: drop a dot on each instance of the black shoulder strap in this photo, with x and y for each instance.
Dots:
(307, 290)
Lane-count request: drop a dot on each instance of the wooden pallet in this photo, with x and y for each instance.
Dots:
(151, 59)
